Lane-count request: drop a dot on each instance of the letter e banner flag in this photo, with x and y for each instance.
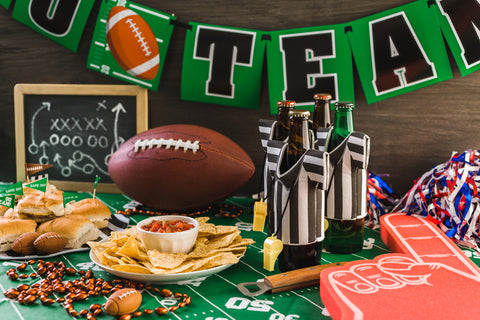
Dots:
(130, 42)
(398, 51)
(460, 23)
(63, 22)
(306, 61)
(222, 65)
(5, 3)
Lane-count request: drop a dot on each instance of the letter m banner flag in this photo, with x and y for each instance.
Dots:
(399, 50)
(460, 23)
(222, 65)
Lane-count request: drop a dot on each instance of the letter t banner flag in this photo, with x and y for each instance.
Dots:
(63, 21)
(222, 65)
(306, 61)
(460, 23)
(399, 50)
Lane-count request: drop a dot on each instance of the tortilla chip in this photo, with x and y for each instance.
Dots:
(134, 249)
(223, 240)
(131, 268)
(166, 260)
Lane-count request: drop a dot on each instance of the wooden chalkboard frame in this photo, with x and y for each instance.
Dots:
(20, 90)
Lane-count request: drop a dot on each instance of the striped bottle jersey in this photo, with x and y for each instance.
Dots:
(266, 128)
(347, 190)
(299, 217)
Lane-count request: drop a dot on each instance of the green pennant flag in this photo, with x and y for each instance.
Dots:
(5, 3)
(63, 22)
(7, 200)
(136, 46)
(399, 50)
(16, 189)
(306, 61)
(459, 20)
(40, 185)
(222, 65)
(69, 196)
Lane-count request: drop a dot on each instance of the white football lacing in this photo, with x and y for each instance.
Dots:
(140, 39)
(126, 293)
(167, 144)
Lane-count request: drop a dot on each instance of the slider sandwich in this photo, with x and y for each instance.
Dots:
(93, 209)
(76, 228)
(41, 206)
(11, 229)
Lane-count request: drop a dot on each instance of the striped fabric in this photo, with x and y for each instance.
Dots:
(347, 190)
(266, 129)
(298, 215)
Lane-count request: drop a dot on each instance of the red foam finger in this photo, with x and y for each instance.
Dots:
(428, 277)
(424, 241)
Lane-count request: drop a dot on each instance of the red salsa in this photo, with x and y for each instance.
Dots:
(167, 226)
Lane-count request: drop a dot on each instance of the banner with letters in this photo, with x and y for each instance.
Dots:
(5, 3)
(460, 23)
(398, 51)
(130, 42)
(62, 21)
(306, 61)
(395, 51)
(222, 65)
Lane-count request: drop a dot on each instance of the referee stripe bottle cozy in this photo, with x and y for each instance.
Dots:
(298, 171)
(348, 153)
(274, 130)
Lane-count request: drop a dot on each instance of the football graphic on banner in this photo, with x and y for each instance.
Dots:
(132, 43)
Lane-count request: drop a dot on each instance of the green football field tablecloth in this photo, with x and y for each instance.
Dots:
(215, 297)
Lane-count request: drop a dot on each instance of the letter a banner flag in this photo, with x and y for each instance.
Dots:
(5, 3)
(460, 23)
(222, 65)
(306, 61)
(399, 50)
(63, 21)
(130, 42)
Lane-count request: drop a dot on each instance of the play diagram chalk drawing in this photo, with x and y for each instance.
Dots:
(77, 134)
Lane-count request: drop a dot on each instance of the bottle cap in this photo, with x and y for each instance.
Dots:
(344, 105)
(299, 113)
(322, 96)
(286, 103)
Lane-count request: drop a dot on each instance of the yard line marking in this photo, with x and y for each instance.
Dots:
(161, 302)
(13, 305)
(226, 314)
(233, 284)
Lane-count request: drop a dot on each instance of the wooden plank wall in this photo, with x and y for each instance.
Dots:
(409, 134)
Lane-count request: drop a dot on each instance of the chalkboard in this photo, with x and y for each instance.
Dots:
(76, 128)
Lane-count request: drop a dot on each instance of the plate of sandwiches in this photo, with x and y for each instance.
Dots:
(44, 212)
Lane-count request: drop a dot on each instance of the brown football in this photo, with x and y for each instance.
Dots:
(50, 242)
(123, 301)
(24, 243)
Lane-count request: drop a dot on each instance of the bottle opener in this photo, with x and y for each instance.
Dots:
(291, 280)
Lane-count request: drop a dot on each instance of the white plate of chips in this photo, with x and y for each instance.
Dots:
(177, 278)
(123, 254)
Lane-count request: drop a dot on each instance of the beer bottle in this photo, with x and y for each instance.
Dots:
(297, 256)
(343, 124)
(343, 236)
(280, 133)
(321, 112)
(281, 130)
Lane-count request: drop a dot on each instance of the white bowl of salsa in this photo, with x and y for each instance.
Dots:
(171, 233)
